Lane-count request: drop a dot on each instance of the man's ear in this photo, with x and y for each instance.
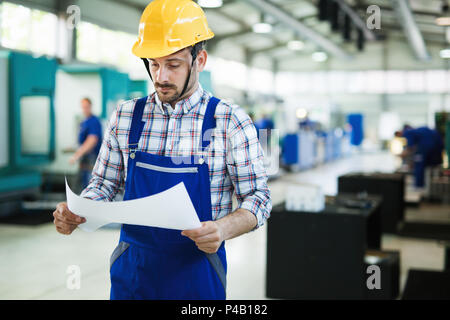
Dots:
(202, 56)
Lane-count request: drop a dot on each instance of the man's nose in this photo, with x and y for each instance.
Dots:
(162, 75)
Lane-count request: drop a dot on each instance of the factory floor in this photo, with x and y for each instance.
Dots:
(36, 260)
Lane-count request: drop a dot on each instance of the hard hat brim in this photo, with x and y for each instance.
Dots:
(154, 50)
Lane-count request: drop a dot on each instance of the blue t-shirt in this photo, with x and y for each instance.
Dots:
(90, 126)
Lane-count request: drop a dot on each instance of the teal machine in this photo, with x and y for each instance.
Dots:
(206, 81)
(105, 87)
(138, 88)
(27, 122)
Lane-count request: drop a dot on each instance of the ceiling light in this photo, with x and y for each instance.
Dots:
(443, 21)
(319, 56)
(445, 53)
(295, 45)
(210, 3)
(262, 27)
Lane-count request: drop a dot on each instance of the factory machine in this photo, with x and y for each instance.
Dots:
(27, 124)
(138, 88)
(306, 148)
(105, 87)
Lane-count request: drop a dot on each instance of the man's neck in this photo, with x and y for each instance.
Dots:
(185, 96)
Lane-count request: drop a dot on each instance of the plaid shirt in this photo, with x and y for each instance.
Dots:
(234, 155)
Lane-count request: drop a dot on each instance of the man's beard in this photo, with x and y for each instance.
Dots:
(172, 98)
(166, 97)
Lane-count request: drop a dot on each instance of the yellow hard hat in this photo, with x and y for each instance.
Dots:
(168, 26)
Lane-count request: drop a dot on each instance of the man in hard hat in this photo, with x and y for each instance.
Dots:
(180, 133)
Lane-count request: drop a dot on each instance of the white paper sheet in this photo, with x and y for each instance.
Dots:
(172, 209)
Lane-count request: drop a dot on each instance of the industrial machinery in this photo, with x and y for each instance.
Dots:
(105, 87)
(307, 148)
(27, 123)
(138, 88)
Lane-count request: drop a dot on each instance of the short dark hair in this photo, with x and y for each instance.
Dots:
(196, 48)
(87, 99)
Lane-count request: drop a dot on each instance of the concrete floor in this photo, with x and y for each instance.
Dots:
(35, 260)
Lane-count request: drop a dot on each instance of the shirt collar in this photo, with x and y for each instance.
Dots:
(185, 104)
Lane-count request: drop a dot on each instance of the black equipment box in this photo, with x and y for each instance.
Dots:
(427, 285)
(390, 186)
(320, 255)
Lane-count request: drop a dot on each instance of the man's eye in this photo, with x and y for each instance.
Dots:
(174, 66)
(154, 65)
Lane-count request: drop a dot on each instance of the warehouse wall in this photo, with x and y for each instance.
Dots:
(392, 54)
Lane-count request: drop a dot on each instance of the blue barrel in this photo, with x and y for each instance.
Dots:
(356, 122)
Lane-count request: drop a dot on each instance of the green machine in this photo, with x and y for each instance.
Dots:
(205, 80)
(105, 87)
(113, 85)
(27, 121)
(138, 88)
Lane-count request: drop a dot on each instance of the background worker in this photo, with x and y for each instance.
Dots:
(425, 146)
(90, 140)
(264, 127)
(180, 133)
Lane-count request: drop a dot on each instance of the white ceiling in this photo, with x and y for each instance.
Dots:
(232, 25)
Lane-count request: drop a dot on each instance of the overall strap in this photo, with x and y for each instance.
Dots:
(136, 123)
(209, 122)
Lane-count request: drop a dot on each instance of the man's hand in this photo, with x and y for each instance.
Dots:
(208, 237)
(73, 159)
(66, 221)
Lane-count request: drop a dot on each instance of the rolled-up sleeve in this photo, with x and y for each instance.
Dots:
(245, 166)
(108, 173)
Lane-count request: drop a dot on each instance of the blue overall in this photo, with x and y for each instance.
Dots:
(159, 263)
(428, 151)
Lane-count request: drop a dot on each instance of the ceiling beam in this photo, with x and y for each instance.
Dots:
(411, 30)
(303, 30)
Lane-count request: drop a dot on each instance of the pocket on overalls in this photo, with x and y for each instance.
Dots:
(118, 251)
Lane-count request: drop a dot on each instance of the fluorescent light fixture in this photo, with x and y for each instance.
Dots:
(445, 53)
(295, 45)
(443, 21)
(262, 27)
(319, 56)
(210, 3)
